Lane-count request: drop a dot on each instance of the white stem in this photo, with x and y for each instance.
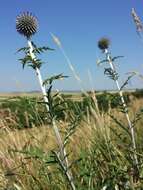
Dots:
(38, 75)
(55, 128)
(124, 106)
(43, 89)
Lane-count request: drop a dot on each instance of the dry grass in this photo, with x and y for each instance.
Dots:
(12, 164)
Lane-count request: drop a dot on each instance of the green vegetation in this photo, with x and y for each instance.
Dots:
(28, 112)
(98, 145)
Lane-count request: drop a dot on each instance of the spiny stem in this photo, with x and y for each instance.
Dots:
(62, 151)
(124, 106)
(68, 175)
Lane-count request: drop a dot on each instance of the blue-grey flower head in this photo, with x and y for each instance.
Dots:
(26, 24)
(103, 43)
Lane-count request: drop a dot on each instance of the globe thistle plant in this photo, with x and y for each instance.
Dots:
(26, 25)
(103, 44)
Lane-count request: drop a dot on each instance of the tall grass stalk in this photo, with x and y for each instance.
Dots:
(59, 44)
(123, 104)
(138, 23)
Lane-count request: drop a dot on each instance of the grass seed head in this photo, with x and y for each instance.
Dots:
(103, 43)
(137, 21)
(26, 24)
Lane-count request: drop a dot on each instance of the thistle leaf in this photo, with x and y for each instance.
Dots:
(51, 79)
(126, 82)
(24, 49)
(40, 50)
(120, 124)
(112, 74)
(117, 57)
(103, 61)
(138, 116)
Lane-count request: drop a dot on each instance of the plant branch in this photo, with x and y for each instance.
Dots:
(123, 104)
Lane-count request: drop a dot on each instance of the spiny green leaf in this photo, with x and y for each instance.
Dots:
(138, 116)
(120, 124)
(111, 73)
(117, 57)
(24, 49)
(40, 50)
(53, 78)
(103, 61)
(126, 82)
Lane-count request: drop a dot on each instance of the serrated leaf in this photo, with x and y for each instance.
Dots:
(120, 124)
(126, 82)
(112, 74)
(103, 61)
(24, 49)
(40, 50)
(55, 77)
(117, 57)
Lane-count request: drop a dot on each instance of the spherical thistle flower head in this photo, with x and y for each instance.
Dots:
(103, 43)
(26, 24)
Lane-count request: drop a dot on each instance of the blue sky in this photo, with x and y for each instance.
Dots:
(79, 24)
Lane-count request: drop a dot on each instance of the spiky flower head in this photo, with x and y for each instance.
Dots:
(103, 43)
(26, 24)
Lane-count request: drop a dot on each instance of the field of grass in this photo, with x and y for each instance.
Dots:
(99, 145)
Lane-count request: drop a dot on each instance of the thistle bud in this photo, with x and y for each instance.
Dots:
(103, 43)
(26, 24)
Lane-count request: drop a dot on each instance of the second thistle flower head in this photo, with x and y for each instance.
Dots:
(103, 43)
(26, 24)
